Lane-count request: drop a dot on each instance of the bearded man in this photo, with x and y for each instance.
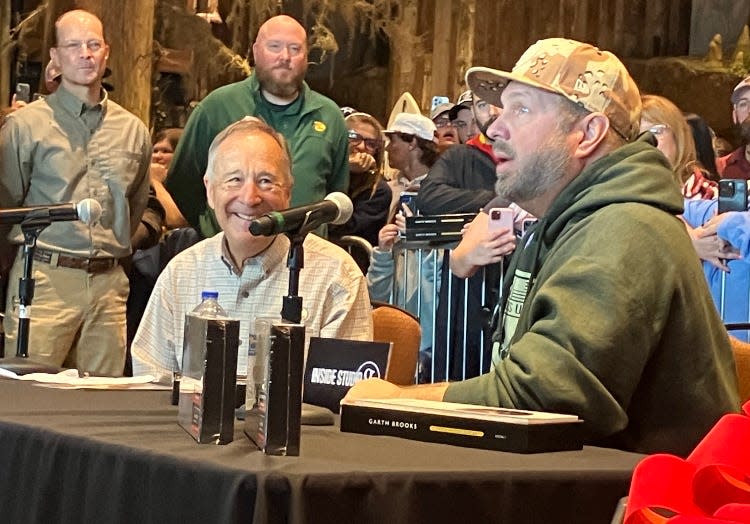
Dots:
(737, 163)
(605, 313)
(276, 92)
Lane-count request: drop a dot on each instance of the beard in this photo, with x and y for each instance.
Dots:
(535, 175)
(484, 126)
(745, 131)
(282, 89)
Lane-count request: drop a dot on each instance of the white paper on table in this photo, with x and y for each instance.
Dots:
(71, 379)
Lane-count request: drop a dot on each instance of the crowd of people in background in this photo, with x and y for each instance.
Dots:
(594, 183)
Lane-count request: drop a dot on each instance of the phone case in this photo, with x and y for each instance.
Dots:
(23, 92)
(732, 195)
(501, 217)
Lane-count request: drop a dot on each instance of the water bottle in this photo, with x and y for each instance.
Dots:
(209, 306)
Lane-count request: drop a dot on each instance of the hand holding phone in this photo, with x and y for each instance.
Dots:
(408, 198)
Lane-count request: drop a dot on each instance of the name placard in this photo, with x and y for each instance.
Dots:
(334, 365)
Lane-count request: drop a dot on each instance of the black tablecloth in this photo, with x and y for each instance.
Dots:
(119, 456)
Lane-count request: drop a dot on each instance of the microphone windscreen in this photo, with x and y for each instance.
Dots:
(344, 205)
(89, 211)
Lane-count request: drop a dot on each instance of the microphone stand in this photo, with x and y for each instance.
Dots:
(291, 308)
(291, 311)
(32, 226)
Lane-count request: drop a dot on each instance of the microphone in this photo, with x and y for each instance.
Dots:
(87, 210)
(336, 208)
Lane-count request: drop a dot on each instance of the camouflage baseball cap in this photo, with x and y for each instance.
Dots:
(594, 79)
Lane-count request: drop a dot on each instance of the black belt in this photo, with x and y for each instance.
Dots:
(90, 265)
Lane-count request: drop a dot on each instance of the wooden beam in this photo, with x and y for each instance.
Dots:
(6, 52)
(442, 52)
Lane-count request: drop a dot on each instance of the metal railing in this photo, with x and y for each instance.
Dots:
(454, 313)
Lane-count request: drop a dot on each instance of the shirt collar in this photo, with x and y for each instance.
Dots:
(77, 106)
(267, 259)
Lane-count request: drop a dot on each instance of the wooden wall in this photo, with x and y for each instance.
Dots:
(456, 34)
(430, 44)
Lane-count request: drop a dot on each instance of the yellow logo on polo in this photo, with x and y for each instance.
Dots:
(319, 126)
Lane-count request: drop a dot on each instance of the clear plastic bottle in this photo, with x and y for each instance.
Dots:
(209, 306)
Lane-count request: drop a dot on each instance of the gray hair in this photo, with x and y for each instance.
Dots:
(250, 125)
(571, 112)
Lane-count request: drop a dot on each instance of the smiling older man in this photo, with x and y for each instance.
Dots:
(249, 175)
(606, 314)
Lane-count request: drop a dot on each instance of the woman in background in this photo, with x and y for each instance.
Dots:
(675, 139)
(368, 190)
(164, 144)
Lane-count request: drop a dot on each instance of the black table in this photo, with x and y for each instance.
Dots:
(119, 456)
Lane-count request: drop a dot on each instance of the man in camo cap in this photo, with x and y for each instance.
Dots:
(606, 314)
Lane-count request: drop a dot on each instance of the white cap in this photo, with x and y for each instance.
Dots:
(411, 124)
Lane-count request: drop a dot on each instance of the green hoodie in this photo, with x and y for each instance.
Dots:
(613, 319)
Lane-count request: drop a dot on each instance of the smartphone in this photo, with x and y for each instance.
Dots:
(408, 198)
(437, 100)
(501, 217)
(526, 224)
(23, 92)
(732, 195)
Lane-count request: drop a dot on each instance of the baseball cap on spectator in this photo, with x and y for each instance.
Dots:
(413, 124)
(464, 101)
(440, 109)
(739, 88)
(594, 79)
(346, 111)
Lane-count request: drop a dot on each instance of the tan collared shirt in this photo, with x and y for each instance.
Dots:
(60, 150)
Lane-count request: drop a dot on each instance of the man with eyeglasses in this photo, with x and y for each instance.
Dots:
(737, 163)
(447, 134)
(462, 117)
(248, 175)
(72, 145)
(276, 92)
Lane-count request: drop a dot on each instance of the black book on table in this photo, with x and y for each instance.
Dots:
(467, 425)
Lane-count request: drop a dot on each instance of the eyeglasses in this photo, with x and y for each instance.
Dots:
(658, 129)
(373, 144)
(75, 45)
(444, 123)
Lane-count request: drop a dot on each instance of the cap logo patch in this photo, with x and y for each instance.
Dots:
(581, 86)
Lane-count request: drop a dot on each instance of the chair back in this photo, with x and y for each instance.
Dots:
(396, 325)
(358, 248)
(741, 351)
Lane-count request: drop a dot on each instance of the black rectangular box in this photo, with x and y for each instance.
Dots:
(208, 383)
(273, 408)
(464, 425)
